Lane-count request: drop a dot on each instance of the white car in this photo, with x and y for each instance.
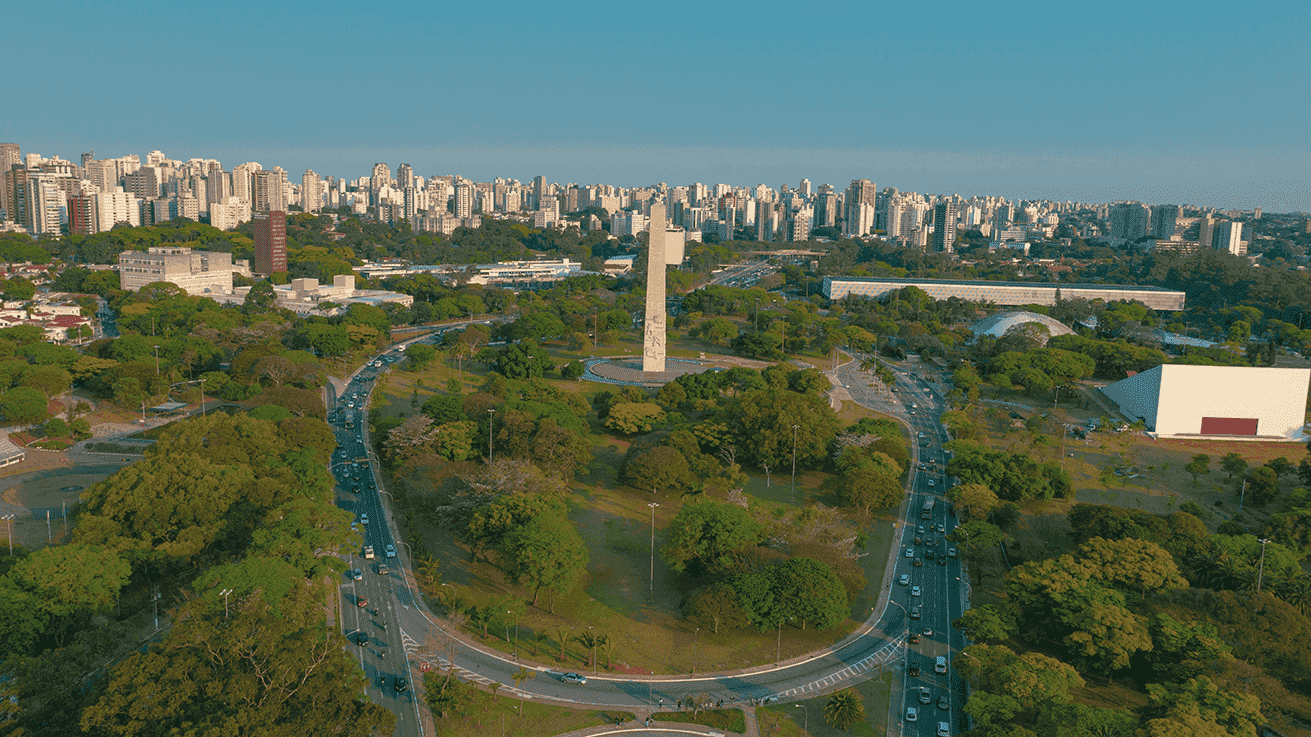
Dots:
(904, 580)
(944, 729)
(364, 519)
(368, 552)
(912, 714)
(914, 591)
(391, 551)
(910, 552)
(930, 482)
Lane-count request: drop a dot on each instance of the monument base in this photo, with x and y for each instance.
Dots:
(629, 370)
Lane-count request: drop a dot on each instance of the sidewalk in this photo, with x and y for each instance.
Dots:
(639, 725)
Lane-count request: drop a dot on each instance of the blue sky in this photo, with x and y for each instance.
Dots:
(1196, 103)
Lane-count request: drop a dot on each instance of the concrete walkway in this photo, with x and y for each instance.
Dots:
(657, 727)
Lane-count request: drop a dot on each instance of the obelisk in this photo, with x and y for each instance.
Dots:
(653, 341)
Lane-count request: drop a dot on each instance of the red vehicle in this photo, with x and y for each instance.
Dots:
(361, 602)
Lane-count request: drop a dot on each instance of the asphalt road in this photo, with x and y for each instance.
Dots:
(397, 627)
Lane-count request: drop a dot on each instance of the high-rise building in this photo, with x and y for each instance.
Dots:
(116, 207)
(944, 226)
(1164, 218)
(764, 221)
(267, 190)
(146, 182)
(857, 221)
(463, 200)
(404, 176)
(826, 209)
(270, 243)
(1227, 236)
(539, 191)
(799, 226)
(311, 194)
(1130, 220)
(10, 156)
(82, 214)
(805, 188)
(229, 213)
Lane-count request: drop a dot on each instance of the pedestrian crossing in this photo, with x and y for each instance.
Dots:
(875, 660)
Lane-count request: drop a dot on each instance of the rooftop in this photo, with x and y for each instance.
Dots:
(985, 283)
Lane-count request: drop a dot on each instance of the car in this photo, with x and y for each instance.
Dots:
(919, 562)
(929, 553)
(364, 519)
(940, 664)
(915, 612)
(391, 551)
(361, 602)
(368, 552)
(919, 529)
(913, 670)
(355, 574)
(944, 729)
(924, 696)
(930, 482)
(942, 529)
(942, 560)
(927, 632)
(910, 552)
(363, 639)
(912, 714)
(923, 467)
(914, 591)
(573, 678)
(401, 686)
(904, 580)
(914, 639)
(919, 541)
(921, 435)
(383, 569)
(944, 703)
(951, 552)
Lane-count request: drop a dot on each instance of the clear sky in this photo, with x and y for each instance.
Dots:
(1183, 102)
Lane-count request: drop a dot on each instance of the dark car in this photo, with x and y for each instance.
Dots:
(401, 686)
(361, 602)
(944, 703)
(363, 639)
(914, 639)
(913, 670)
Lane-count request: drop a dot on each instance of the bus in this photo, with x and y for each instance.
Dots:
(926, 511)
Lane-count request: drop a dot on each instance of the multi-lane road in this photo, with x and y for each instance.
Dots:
(391, 627)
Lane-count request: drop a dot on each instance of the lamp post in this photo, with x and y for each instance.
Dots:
(695, 632)
(1261, 571)
(794, 462)
(806, 721)
(490, 414)
(653, 506)
(9, 526)
(593, 638)
(1241, 495)
(516, 633)
(202, 397)
(452, 588)
(778, 645)
(225, 593)
(156, 360)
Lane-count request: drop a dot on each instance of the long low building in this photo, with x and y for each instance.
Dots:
(1004, 292)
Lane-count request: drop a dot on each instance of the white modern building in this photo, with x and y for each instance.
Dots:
(206, 273)
(1003, 292)
(1221, 402)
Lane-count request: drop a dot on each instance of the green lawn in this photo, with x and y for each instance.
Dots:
(732, 720)
(788, 720)
(488, 714)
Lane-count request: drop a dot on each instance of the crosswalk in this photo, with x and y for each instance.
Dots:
(413, 648)
(866, 664)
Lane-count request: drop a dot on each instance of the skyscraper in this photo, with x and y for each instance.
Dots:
(944, 226)
(1228, 237)
(1164, 218)
(311, 194)
(826, 209)
(539, 191)
(463, 200)
(857, 221)
(1130, 220)
(270, 243)
(404, 176)
(267, 191)
(9, 158)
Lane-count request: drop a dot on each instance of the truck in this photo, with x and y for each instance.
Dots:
(926, 510)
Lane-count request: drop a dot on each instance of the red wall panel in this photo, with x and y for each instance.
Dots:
(1228, 426)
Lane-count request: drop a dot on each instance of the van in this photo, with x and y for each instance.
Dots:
(940, 664)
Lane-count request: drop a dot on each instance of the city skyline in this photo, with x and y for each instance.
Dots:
(1025, 102)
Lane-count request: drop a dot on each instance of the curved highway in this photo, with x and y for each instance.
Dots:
(395, 637)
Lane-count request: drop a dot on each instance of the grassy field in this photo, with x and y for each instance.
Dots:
(490, 714)
(620, 597)
(731, 720)
(806, 718)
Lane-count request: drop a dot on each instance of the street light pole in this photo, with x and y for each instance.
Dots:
(225, 593)
(806, 721)
(490, 415)
(516, 633)
(202, 397)
(794, 462)
(592, 627)
(9, 525)
(695, 632)
(653, 506)
(1261, 571)
(156, 360)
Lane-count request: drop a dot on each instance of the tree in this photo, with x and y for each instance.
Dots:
(711, 535)
(72, 579)
(987, 623)
(974, 501)
(809, 591)
(547, 552)
(24, 406)
(1262, 485)
(520, 676)
(631, 418)
(661, 467)
(261, 298)
(522, 361)
(420, 355)
(1200, 464)
(446, 695)
(714, 606)
(1202, 699)
(844, 709)
(1131, 565)
(867, 487)
(763, 423)
(1232, 464)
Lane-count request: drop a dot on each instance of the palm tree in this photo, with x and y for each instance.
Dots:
(562, 637)
(540, 637)
(519, 676)
(1297, 592)
(607, 645)
(430, 569)
(589, 639)
(494, 687)
(844, 709)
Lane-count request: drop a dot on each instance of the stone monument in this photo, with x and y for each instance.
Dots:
(653, 339)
